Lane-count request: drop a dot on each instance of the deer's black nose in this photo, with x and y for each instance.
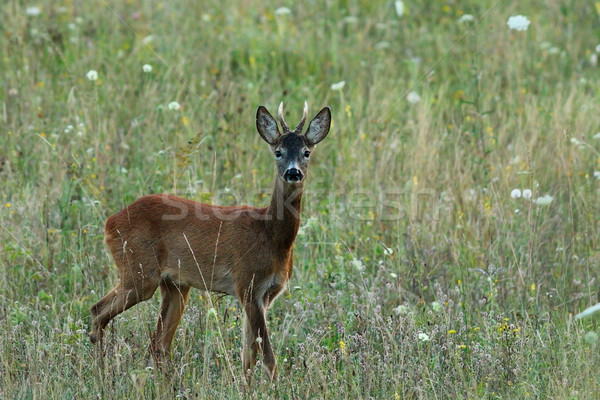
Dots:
(293, 175)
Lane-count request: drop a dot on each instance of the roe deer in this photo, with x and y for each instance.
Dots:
(175, 244)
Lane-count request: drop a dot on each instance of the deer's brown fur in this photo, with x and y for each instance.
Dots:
(175, 244)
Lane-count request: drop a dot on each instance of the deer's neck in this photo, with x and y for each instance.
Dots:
(284, 213)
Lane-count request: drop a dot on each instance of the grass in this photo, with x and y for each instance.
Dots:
(418, 276)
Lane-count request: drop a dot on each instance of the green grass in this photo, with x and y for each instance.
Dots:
(494, 289)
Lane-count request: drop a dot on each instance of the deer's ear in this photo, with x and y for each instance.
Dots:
(266, 125)
(319, 126)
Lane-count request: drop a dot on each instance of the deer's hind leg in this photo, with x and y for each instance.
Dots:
(174, 300)
(138, 282)
(114, 303)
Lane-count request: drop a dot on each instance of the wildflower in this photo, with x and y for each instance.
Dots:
(527, 193)
(283, 11)
(33, 11)
(399, 6)
(393, 275)
(588, 312)
(174, 106)
(147, 39)
(544, 200)
(423, 337)
(598, 48)
(451, 331)
(310, 223)
(532, 287)
(147, 68)
(401, 309)
(92, 75)
(358, 265)
(338, 86)
(211, 312)
(515, 194)
(413, 97)
(591, 337)
(466, 18)
(436, 306)
(7, 205)
(518, 23)
(597, 174)
(342, 345)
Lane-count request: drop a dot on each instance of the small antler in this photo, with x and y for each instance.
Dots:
(301, 124)
(284, 126)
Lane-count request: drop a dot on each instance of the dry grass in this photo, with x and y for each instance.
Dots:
(411, 202)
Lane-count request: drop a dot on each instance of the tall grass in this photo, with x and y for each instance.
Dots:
(418, 276)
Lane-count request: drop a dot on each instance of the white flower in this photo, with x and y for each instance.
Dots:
(174, 106)
(515, 194)
(591, 337)
(598, 48)
(310, 223)
(527, 193)
(401, 309)
(594, 59)
(588, 312)
(423, 337)
(358, 265)
(147, 68)
(33, 11)
(338, 86)
(393, 275)
(283, 11)
(211, 312)
(413, 97)
(466, 18)
(518, 23)
(92, 75)
(399, 5)
(544, 200)
(553, 50)
(597, 174)
(147, 39)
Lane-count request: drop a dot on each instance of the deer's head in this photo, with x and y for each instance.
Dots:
(292, 148)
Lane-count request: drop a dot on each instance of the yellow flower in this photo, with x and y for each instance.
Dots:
(7, 205)
(342, 345)
(451, 331)
(348, 111)
(533, 287)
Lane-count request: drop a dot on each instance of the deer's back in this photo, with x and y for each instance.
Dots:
(201, 245)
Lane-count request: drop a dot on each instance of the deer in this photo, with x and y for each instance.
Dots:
(167, 242)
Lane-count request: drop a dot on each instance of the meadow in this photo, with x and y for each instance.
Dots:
(451, 219)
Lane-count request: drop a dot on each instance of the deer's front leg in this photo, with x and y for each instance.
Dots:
(256, 339)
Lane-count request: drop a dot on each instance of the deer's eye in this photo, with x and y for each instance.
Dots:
(277, 154)
(307, 154)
